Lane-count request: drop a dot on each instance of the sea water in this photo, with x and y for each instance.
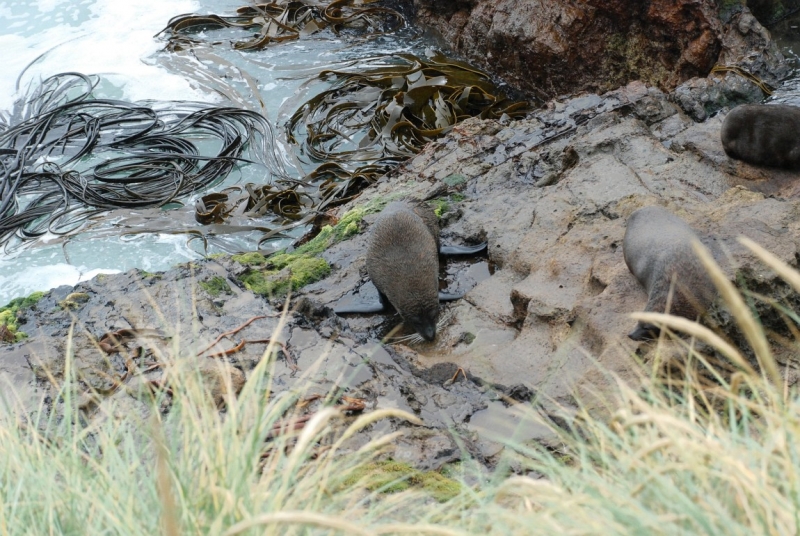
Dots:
(115, 39)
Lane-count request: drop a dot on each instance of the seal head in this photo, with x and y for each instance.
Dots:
(658, 251)
(403, 263)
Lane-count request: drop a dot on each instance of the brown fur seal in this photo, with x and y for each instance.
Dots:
(763, 135)
(403, 263)
(657, 249)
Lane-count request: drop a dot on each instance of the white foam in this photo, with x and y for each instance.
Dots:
(113, 38)
(42, 278)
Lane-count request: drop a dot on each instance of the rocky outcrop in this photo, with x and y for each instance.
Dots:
(554, 212)
(551, 47)
(748, 51)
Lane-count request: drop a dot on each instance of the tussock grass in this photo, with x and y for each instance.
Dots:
(676, 458)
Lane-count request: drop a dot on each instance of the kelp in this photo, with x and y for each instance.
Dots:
(282, 20)
(384, 111)
(65, 155)
(374, 114)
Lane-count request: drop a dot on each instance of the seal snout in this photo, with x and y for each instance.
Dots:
(644, 332)
(428, 332)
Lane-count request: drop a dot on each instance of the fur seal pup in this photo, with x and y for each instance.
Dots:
(658, 248)
(403, 263)
(763, 135)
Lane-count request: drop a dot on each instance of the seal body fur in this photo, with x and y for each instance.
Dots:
(658, 251)
(403, 263)
(763, 135)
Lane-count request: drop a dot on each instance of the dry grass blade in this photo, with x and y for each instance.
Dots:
(374, 416)
(298, 518)
(750, 326)
(397, 528)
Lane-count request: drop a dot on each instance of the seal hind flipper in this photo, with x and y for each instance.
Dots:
(446, 296)
(463, 250)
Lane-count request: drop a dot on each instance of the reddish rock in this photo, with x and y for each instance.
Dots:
(550, 47)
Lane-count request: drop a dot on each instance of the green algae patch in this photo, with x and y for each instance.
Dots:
(250, 259)
(295, 272)
(440, 207)
(348, 225)
(150, 275)
(455, 179)
(393, 477)
(285, 271)
(215, 286)
(9, 314)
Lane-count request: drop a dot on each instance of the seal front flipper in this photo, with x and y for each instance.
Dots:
(355, 307)
(446, 296)
(462, 250)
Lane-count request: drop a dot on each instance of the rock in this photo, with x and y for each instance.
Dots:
(222, 380)
(551, 47)
(771, 11)
(746, 45)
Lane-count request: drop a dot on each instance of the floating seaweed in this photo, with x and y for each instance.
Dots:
(65, 155)
(282, 20)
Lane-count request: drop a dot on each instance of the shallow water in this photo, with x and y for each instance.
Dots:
(115, 40)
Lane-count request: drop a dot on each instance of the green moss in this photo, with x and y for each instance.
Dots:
(215, 286)
(250, 259)
(457, 198)
(293, 270)
(392, 477)
(440, 207)
(455, 179)
(217, 255)
(9, 313)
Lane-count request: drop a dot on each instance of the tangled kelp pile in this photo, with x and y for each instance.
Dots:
(65, 155)
(390, 108)
(283, 20)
